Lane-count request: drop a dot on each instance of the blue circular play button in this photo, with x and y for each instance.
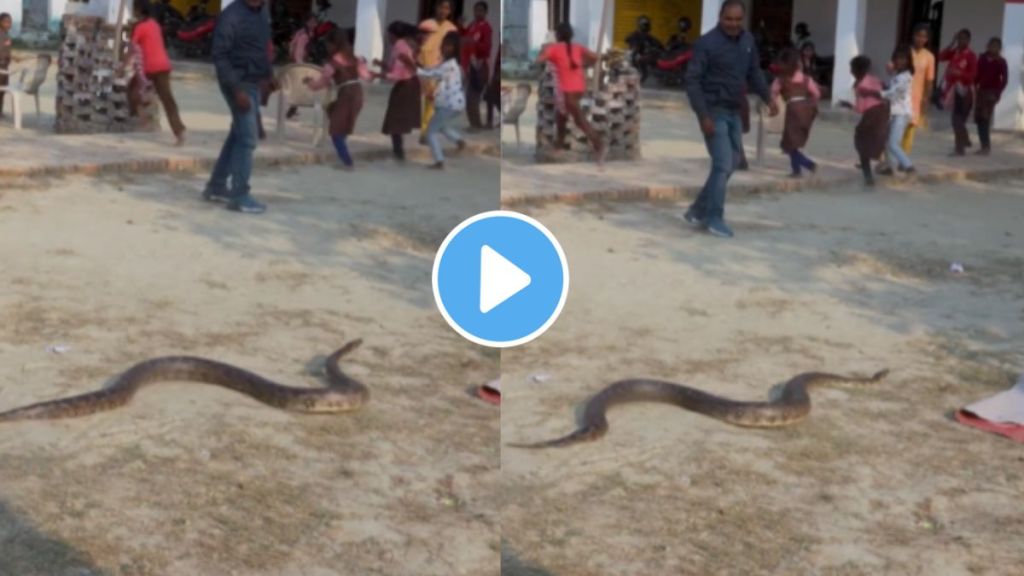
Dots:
(500, 279)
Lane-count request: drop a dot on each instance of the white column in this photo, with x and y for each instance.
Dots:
(850, 23)
(709, 10)
(538, 25)
(370, 29)
(594, 23)
(224, 4)
(1010, 111)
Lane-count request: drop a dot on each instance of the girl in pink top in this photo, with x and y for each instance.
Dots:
(802, 95)
(156, 65)
(569, 61)
(404, 111)
(872, 132)
(346, 72)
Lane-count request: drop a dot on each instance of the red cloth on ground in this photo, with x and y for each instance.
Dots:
(1012, 431)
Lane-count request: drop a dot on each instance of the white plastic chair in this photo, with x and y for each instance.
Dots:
(514, 106)
(20, 82)
(294, 92)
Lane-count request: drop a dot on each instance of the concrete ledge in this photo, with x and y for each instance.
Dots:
(670, 193)
(196, 164)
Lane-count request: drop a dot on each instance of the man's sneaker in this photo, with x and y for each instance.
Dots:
(247, 205)
(718, 228)
(211, 196)
(691, 218)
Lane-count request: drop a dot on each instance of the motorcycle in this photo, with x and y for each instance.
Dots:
(670, 66)
(169, 18)
(667, 63)
(194, 38)
(317, 50)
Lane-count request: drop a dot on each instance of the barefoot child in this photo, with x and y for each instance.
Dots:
(569, 61)
(899, 95)
(801, 94)
(449, 99)
(403, 111)
(872, 131)
(991, 81)
(347, 72)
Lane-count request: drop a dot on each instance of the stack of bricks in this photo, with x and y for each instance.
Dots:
(92, 81)
(614, 113)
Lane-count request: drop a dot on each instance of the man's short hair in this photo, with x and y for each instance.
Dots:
(730, 3)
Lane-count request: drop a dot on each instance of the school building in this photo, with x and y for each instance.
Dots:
(839, 28)
(370, 18)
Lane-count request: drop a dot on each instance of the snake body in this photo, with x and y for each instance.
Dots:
(342, 394)
(792, 405)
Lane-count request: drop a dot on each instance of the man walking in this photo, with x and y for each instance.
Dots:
(477, 43)
(240, 56)
(725, 62)
(959, 86)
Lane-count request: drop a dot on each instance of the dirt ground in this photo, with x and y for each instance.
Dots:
(878, 480)
(197, 480)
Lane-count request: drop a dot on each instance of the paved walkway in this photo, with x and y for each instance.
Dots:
(675, 162)
(37, 150)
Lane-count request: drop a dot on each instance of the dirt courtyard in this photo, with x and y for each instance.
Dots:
(195, 480)
(879, 480)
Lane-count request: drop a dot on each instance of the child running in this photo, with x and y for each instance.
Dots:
(991, 81)
(872, 132)
(801, 94)
(569, 60)
(902, 110)
(403, 111)
(449, 99)
(347, 72)
(6, 22)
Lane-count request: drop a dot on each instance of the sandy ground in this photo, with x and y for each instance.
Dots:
(879, 480)
(197, 480)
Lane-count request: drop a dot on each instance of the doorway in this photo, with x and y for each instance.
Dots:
(914, 12)
(427, 9)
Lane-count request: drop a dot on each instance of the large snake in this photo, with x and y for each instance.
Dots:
(342, 394)
(792, 405)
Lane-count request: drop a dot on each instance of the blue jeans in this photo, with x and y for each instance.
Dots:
(725, 148)
(441, 123)
(235, 160)
(897, 157)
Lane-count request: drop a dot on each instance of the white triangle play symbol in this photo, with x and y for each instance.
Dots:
(499, 279)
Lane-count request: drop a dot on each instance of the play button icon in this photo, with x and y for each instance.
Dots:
(500, 279)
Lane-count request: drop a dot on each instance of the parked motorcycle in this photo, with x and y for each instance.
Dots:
(194, 38)
(670, 67)
(666, 63)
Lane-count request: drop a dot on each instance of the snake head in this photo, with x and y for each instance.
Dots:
(880, 375)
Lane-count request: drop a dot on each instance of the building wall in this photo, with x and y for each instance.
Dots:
(343, 13)
(984, 18)
(516, 27)
(880, 32)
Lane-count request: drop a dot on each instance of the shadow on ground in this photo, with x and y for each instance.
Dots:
(24, 551)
